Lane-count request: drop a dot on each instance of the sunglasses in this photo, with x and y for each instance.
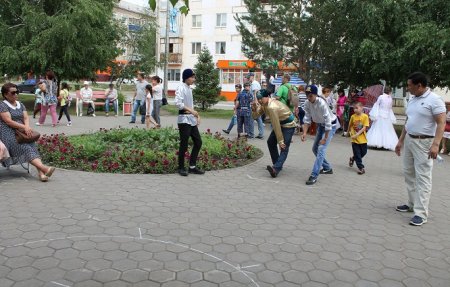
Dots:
(14, 92)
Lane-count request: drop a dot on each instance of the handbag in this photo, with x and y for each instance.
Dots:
(90, 110)
(142, 110)
(164, 101)
(22, 137)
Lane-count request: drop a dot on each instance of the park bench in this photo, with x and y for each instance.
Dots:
(96, 95)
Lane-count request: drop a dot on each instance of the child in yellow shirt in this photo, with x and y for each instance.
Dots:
(357, 127)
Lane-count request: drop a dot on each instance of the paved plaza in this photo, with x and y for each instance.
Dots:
(235, 227)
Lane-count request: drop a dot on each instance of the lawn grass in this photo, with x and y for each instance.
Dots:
(211, 113)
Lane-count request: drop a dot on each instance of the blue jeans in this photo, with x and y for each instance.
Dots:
(278, 159)
(136, 105)
(232, 123)
(321, 150)
(260, 126)
(115, 104)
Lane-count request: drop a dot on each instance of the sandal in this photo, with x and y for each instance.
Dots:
(351, 161)
(43, 178)
(50, 171)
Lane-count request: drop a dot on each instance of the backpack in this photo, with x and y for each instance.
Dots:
(292, 99)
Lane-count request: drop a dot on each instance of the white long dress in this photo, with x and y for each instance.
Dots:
(382, 133)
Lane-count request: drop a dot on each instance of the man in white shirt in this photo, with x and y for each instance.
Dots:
(111, 97)
(318, 111)
(139, 98)
(188, 121)
(86, 97)
(420, 140)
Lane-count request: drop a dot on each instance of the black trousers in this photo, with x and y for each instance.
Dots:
(187, 131)
(359, 151)
(65, 110)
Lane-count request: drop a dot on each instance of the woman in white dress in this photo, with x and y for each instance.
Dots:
(149, 107)
(382, 133)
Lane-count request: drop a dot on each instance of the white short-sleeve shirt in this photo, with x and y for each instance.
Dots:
(421, 112)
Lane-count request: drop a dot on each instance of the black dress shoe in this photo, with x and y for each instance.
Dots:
(311, 180)
(226, 131)
(272, 171)
(132, 122)
(196, 171)
(182, 172)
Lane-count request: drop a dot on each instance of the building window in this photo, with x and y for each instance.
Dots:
(196, 48)
(231, 76)
(196, 21)
(174, 75)
(221, 20)
(221, 47)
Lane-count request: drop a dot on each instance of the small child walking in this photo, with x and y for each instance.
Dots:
(357, 127)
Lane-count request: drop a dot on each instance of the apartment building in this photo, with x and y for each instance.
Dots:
(211, 24)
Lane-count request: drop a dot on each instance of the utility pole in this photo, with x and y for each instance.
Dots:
(166, 52)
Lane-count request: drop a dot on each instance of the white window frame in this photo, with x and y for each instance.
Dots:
(218, 48)
(221, 20)
(196, 48)
(173, 75)
(198, 21)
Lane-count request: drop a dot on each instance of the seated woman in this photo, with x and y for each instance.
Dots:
(13, 115)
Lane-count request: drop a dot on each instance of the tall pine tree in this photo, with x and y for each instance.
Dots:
(207, 86)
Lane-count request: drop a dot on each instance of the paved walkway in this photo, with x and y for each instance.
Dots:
(235, 227)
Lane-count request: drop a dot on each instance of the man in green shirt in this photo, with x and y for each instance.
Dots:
(283, 91)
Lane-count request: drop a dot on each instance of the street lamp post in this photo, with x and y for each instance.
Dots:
(166, 51)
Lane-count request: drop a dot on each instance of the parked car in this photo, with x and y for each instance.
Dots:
(29, 86)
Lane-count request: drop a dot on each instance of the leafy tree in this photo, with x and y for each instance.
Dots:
(277, 34)
(353, 42)
(142, 47)
(207, 86)
(74, 38)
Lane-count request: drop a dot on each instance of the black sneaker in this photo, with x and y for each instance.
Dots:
(417, 221)
(404, 208)
(272, 171)
(196, 171)
(226, 131)
(326, 171)
(311, 180)
(182, 172)
(260, 137)
(132, 122)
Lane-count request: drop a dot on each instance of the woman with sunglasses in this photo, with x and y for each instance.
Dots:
(13, 115)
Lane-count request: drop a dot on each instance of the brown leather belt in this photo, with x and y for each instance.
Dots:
(420, 137)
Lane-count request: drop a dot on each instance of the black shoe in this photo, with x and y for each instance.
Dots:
(311, 180)
(142, 122)
(272, 171)
(226, 131)
(260, 137)
(196, 171)
(182, 172)
(328, 171)
(361, 171)
(132, 122)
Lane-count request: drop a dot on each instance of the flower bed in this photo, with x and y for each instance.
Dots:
(140, 151)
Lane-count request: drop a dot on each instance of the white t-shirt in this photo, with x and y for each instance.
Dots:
(255, 87)
(421, 111)
(157, 92)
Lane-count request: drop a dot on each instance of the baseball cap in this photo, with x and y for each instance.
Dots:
(311, 89)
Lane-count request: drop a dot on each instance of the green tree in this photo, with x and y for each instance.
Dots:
(141, 45)
(207, 85)
(73, 38)
(277, 32)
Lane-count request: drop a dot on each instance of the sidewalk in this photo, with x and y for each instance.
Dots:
(235, 227)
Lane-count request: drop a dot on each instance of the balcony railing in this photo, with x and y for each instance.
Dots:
(174, 58)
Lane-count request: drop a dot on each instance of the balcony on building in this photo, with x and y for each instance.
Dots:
(174, 58)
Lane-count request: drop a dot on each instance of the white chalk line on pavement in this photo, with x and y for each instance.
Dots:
(237, 268)
(260, 179)
(59, 284)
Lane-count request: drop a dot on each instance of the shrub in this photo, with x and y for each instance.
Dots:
(140, 151)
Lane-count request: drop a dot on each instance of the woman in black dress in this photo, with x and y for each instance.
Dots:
(13, 115)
